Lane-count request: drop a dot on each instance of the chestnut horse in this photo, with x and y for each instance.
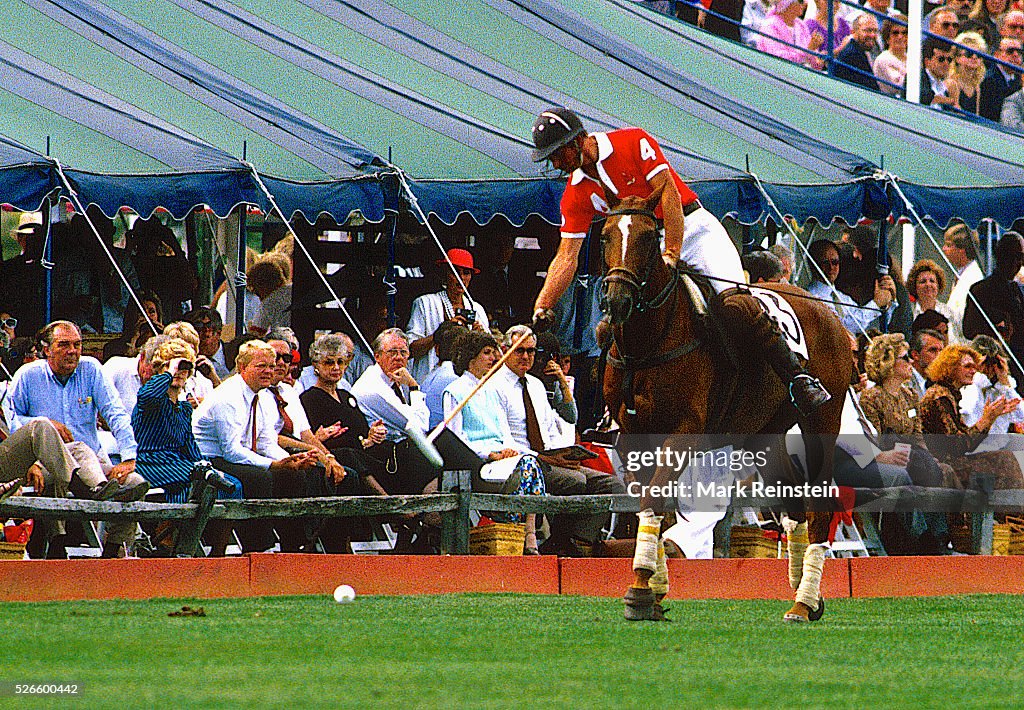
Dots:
(663, 377)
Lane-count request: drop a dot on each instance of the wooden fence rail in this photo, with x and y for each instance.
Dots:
(456, 501)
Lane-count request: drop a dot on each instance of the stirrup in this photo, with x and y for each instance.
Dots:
(812, 393)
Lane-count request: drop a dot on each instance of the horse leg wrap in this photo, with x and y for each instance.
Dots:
(659, 582)
(809, 590)
(647, 537)
(796, 546)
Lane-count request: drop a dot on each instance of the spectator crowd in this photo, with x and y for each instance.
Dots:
(934, 402)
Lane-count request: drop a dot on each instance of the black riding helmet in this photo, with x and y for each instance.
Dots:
(554, 128)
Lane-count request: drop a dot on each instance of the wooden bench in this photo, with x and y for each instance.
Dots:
(456, 501)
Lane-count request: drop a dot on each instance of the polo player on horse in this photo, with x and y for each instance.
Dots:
(629, 162)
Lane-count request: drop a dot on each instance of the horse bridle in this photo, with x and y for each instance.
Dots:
(631, 364)
(628, 278)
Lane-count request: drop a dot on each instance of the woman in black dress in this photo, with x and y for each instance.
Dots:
(357, 446)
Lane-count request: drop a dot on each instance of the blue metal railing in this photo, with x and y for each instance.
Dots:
(828, 56)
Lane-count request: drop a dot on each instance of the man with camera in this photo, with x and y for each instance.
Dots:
(451, 303)
(1002, 298)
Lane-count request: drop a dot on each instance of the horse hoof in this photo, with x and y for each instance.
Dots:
(640, 605)
(798, 614)
(815, 614)
(660, 613)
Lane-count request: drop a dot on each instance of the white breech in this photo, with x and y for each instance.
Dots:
(709, 249)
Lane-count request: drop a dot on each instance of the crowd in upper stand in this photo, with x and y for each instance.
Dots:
(869, 45)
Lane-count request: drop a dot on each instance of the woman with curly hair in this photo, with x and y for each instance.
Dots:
(948, 435)
(162, 423)
(925, 282)
(891, 407)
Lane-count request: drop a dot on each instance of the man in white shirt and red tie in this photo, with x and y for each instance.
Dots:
(235, 428)
(534, 426)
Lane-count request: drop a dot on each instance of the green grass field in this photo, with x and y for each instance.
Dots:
(497, 651)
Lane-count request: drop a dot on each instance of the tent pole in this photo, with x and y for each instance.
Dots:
(48, 261)
(240, 281)
(882, 265)
(106, 250)
(393, 271)
(298, 242)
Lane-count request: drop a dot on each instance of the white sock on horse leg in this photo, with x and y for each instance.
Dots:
(659, 582)
(796, 546)
(810, 585)
(648, 536)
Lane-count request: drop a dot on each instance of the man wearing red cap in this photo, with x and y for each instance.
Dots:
(431, 309)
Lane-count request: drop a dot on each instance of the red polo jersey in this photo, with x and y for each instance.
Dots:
(627, 159)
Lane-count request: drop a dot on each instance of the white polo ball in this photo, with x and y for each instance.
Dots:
(344, 594)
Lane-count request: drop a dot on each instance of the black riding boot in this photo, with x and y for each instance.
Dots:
(806, 392)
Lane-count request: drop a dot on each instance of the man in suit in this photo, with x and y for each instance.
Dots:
(854, 61)
(937, 57)
(1002, 299)
(1000, 80)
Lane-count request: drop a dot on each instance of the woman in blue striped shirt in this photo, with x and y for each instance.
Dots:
(163, 431)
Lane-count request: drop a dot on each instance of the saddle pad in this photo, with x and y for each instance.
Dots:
(780, 311)
(700, 305)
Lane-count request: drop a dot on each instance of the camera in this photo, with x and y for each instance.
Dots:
(184, 366)
(467, 313)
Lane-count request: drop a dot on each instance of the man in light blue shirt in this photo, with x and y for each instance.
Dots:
(70, 390)
(855, 318)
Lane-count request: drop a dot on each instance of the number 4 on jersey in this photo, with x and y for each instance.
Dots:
(646, 151)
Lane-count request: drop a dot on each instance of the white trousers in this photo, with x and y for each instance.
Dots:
(709, 249)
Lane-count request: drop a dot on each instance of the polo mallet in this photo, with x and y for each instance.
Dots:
(426, 443)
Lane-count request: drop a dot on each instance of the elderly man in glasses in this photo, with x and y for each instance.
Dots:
(534, 426)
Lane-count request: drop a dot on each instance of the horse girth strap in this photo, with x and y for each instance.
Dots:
(630, 365)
